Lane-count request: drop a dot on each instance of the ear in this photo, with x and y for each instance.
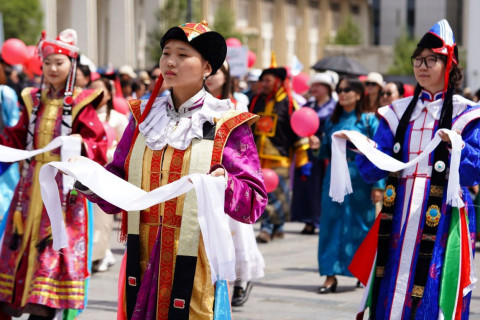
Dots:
(207, 70)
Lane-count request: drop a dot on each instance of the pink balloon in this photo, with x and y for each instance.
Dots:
(251, 58)
(14, 51)
(121, 105)
(300, 83)
(305, 122)
(233, 42)
(270, 178)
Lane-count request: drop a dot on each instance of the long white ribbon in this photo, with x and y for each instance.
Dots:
(8, 154)
(210, 193)
(341, 184)
(70, 146)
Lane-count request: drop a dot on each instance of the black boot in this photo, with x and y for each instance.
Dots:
(240, 295)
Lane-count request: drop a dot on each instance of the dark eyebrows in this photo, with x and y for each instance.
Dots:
(177, 48)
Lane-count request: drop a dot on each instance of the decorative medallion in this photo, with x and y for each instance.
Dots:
(439, 166)
(396, 147)
(266, 125)
(389, 196)
(433, 216)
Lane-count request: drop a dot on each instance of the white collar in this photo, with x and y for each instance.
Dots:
(166, 126)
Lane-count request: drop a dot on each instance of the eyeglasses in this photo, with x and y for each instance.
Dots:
(369, 83)
(386, 93)
(346, 90)
(429, 61)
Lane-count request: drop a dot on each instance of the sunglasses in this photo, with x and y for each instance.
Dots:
(369, 83)
(346, 90)
(386, 93)
(154, 77)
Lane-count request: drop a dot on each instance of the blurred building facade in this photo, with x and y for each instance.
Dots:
(394, 17)
(116, 31)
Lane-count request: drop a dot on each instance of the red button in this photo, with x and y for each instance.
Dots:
(132, 281)
(179, 303)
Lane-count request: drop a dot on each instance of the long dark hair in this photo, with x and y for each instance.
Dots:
(377, 100)
(108, 86)
(227, 86)
(357, 86)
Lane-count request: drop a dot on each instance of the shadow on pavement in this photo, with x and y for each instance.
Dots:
(308, 288)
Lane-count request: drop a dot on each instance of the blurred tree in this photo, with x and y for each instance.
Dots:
(173, 13)
(403, 50)
(22, 20)
(224, 22)
(348, 34)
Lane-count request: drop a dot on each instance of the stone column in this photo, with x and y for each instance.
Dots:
(255, 22)
(325, 26)
(303, 34)
(50, 17)
(279, 39)
(84, 21)
(472, 44)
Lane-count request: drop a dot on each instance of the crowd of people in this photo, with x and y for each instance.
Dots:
(188, 114)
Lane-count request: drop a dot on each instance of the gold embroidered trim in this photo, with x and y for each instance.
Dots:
(436, 191)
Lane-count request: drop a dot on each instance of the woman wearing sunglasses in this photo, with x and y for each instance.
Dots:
(373, 87)
(344, 226)
(414, 271)
(391, 91)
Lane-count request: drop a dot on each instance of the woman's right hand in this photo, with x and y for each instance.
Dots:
(314, 142)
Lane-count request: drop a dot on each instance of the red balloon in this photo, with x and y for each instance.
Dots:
(233, 42)
(408, 90)
(251, 58)
(34, 64)
(300, 83)
(270, 178)
(32, 51)
(14, 51)
(121, 105)
(305, 122)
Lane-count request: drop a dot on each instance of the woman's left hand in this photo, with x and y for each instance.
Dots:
(445, 136)
(219, 172)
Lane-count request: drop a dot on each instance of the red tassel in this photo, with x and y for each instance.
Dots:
(447, 69)
(148, 107)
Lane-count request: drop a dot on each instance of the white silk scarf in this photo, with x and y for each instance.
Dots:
(210, 193)
(341, 184)
(70, 146)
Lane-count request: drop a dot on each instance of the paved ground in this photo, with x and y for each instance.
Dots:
(287, 292)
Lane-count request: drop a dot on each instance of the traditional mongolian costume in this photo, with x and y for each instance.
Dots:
(277, 145)
(344, 226)
(425, 245)
(32, 275)
(308, 179)
(9, 115)
(167, 271)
